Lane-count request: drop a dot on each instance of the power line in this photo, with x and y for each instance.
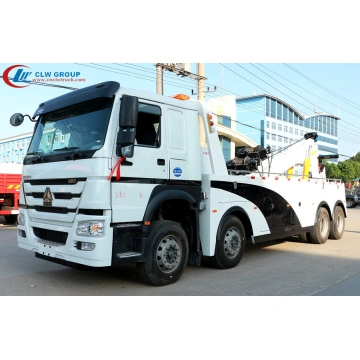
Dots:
(349, 139)
(349, 102)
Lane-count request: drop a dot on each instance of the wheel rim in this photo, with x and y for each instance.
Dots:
(232, 241)
(168, 254)
(349, 203)
(339, 222)
(324, 226)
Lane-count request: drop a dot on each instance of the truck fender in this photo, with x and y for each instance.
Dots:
(325, 205)
(164, 195)
(160, 197)
(240, 213)
(341, 204)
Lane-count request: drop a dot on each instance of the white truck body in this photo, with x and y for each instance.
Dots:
(117, 198)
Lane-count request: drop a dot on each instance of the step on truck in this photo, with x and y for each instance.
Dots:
(114, 175)
(10, 179)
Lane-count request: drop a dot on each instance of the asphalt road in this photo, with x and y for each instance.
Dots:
(279, 268)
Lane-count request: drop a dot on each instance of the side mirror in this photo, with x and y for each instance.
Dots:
(125, 143)
(128, 111)
(127, 125)
(17, 119)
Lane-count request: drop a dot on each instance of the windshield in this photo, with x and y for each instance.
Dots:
(72, 132)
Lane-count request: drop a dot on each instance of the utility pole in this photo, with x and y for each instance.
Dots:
(160, 67)
(159, 80)
(201, 81)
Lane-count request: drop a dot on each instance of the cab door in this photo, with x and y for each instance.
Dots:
(177, 144)
(145, 169)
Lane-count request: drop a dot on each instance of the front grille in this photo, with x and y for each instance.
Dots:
(57, 195)
(49, 182)
(51, 235)
(50, 209)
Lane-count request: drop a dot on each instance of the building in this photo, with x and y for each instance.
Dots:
(326, 125)
(270, 121)
(13, 149)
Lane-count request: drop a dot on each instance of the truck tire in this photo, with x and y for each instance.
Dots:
(320, 233)
(337, 226)
(167, 253)
(11, 219)
(230, 243)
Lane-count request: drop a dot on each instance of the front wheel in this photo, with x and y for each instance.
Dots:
(350, 203)
(167, 253)
(320, 233)
(338, 224)
(230, 243)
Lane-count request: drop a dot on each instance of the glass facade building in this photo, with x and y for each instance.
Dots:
(270, 121)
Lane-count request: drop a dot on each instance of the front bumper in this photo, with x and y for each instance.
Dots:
(120, 243)
(58, 240)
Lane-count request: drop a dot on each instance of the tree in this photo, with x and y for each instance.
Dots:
(356, 165)
(347, 170)
(356, 157)
(332, 170)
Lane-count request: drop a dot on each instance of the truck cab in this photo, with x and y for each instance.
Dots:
(104, 163)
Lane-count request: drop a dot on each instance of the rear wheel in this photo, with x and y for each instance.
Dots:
(230, 243)
(320, 233)
(167, 254)
(338, 224)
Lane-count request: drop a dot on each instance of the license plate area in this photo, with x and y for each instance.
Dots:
(47, 250)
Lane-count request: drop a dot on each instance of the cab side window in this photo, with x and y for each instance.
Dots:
(148, 125)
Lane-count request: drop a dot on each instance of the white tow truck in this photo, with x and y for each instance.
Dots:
(115, 175)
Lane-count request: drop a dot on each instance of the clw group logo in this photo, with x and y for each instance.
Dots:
(20, 76)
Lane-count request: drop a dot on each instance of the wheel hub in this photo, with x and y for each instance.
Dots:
(232, 242)
(168, 254)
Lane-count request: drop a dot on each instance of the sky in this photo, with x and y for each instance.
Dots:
(317, 38)
(309, 87)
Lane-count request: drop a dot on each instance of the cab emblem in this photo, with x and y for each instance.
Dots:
(47, 198)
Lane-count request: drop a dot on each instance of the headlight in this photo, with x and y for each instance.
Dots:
(21, 219)
(90, 228)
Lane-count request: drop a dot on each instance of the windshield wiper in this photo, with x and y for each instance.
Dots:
(40, 153)
(67, 148)
(76, 155)
(39, 156)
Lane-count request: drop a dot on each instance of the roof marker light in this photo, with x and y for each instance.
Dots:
(181, 97)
